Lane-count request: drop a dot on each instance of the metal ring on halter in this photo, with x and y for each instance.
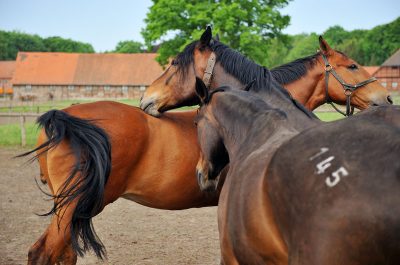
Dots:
(348, 92)
(328, 68)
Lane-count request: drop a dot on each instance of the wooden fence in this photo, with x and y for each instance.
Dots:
(22, 120)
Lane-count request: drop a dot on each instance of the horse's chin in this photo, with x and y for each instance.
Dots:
(151, 109)
(153, 112)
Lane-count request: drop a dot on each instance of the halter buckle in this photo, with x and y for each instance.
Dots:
(328, 68)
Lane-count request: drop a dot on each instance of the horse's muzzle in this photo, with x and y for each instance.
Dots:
(148, 105)
(206, 184)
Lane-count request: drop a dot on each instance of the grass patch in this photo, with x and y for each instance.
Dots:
(10, 134)
(329, 116)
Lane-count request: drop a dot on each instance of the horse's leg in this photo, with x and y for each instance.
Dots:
(54, 246)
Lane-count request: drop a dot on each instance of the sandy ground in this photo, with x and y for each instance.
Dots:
(132, 234)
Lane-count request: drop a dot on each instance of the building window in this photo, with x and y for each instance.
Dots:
(394, 85)
(107, 88)
(384, 84)
(88, 88)
(28, 88)
(142, 88)
(124, 88)
(71, 88)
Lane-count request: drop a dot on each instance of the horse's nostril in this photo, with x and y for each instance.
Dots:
(390, 100)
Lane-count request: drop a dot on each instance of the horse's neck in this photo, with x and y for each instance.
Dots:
(242, 136)
(308, 90)
(273, 97)
(296, 117)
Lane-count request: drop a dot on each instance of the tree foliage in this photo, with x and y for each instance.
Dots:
(129, 47)
(58, 44)
(368, 47)
(11, 42)
(247, 26)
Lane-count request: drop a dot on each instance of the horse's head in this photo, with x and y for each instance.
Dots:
(213, 154)
(346, 77)
(176, 86)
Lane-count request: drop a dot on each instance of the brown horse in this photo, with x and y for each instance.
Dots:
(336, 202)
(98, 152)
(306, 79)
(144, 168)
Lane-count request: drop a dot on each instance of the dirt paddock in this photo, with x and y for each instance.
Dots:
(132, 234)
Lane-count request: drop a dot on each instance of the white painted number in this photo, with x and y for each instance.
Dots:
(323, 165)
(341, 172)
(323, 150)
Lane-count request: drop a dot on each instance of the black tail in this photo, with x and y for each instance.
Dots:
(92, 150)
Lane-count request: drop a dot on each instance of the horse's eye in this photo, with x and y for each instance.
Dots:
(174, 62)
(352, 67)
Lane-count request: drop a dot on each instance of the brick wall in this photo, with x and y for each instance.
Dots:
(45, 92)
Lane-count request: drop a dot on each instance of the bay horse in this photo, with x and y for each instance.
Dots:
(306, 79)
(328, 195)
(152, 162)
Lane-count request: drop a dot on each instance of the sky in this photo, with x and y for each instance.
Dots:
(103, 23)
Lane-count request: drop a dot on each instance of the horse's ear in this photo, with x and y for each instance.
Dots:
(217, 37)
(325, 48)
(206, 37)
(249, 85)
(201, 90)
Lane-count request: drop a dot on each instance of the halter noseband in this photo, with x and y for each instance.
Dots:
(209, 70)
(348, 88)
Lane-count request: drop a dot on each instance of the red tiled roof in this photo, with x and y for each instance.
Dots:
(7, 69)
(40, 68)
(371, 69)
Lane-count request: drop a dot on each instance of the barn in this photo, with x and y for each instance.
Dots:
(389, 72)
(48, 75)
(7, 69)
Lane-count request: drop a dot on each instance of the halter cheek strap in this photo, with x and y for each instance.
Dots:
(209, 70)
(348, 88)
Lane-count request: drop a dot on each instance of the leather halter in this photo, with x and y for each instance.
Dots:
(209, 70)
(348, 88)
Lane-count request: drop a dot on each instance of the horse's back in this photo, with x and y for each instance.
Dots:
(339, 197)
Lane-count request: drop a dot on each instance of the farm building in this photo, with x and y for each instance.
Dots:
(389, 72)
(43, 75)
(6, 73)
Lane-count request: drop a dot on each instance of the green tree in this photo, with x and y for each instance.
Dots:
(58, 44)
(302, 45)
(247, 26)
(11, 42)
(381, 42)
(129, 47)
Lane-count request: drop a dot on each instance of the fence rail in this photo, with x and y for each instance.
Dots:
(22, 120)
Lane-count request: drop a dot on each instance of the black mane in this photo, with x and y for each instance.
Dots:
(293, 71)
(240, 67)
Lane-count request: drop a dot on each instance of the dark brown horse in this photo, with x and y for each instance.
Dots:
(329, 195)
(305, 78)
(152, 163)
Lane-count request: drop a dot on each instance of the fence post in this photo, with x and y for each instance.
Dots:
(23, 131)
